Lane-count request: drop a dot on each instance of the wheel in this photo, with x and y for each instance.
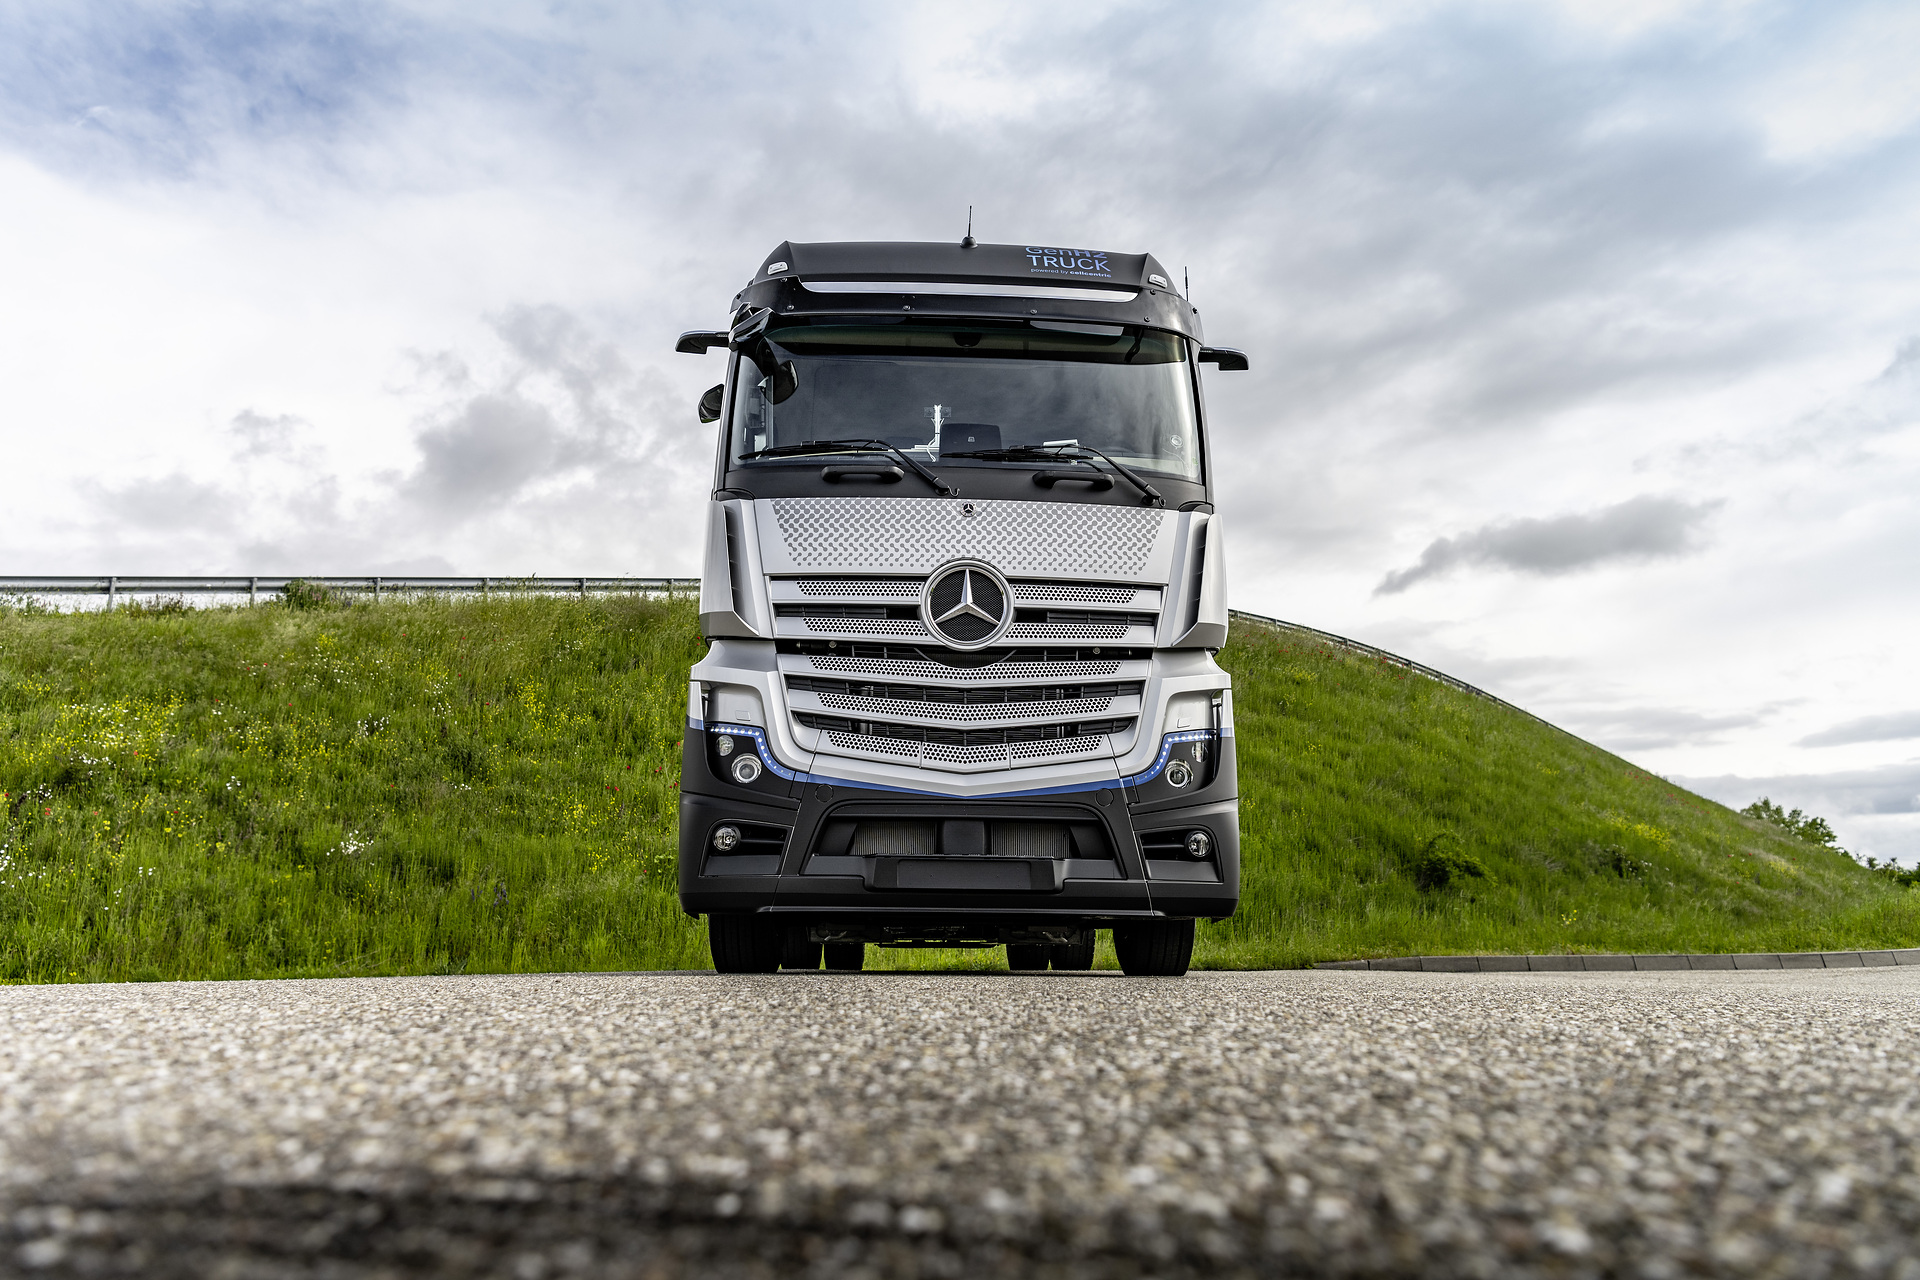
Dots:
(848, 957)
(1026, 955)
(1073, 955)
(795, 951)
(1154, 948)
(743, 944)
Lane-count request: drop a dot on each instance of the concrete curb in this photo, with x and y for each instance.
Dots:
(1633, 963)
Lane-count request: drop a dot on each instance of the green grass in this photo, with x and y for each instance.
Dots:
(1363, 786)
(490, 785)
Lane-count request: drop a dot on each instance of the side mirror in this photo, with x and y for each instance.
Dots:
(785, 381)
(710, 403)
(1229, 360)
(698, 341)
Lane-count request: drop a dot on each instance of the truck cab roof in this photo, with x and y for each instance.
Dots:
(940, 278)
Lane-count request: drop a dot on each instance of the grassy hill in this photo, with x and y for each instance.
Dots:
(485, 785)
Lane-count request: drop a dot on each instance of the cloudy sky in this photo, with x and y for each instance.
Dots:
(1585, 339)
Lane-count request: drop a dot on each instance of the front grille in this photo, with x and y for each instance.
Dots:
(909, 589)
(914, 693)
(879, 606)
(942, 736)
(922, 669)
(992, 711)
(994, 755)
(971, 704)
(866, 678)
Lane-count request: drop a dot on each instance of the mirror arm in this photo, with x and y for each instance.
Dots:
(697, 342)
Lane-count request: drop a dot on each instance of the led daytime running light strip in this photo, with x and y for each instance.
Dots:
(1167, 744)
(760, 747)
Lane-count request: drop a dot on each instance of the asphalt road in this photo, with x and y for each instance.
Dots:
(1299, 1123)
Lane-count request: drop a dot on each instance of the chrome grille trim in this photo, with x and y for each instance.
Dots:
(907, 591)
(1000, 673)
(963, 713)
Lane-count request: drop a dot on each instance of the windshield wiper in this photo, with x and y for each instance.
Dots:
(1133, 477)
(1062, 453)
(865, 446)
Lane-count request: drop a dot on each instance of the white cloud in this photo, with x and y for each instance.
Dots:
(377, 286)
(1642, 528)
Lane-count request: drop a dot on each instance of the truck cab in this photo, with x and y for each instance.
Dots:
(964, 584)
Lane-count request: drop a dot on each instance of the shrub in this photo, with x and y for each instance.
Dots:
(159, 606)
(1442, 862)
(1804, 825)
(301, 594)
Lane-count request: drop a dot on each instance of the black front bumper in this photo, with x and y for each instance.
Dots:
(801, 864)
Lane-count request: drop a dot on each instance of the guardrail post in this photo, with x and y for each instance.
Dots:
(112, 585)
(253, 592)
(583, 588)
(376, 588)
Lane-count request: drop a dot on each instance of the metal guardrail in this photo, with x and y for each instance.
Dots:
(1420, 668)
(115, 586)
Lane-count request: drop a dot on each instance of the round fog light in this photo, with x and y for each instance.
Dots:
(1199, 844)
(1178, 774)
(724, 838)
(723, 746)
(746, 769)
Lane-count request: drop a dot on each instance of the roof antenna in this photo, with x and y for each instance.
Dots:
(968, 242)
(1186, 284)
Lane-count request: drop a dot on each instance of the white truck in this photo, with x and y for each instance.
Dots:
(964, 586)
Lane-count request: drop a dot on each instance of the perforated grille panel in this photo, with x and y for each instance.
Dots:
(862, 588)
(864, 744)
(1066, 631)
(917, 535)
(964, 713)
(962, 675)
(938, 753)
(1074, 592)
(866, 626)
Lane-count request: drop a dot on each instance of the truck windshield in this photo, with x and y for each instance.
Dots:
(935, 390)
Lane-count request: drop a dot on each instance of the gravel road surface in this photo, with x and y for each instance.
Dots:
(1298, 1123)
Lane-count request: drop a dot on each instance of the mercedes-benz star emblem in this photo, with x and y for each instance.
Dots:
(966, 604)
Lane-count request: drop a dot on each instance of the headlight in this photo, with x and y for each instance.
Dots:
(724, 838)
(1178, 774)
(746, 769)
(723, 746)
(1199, 844)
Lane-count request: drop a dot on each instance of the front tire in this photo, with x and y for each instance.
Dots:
(796, 950)
(1073, 955)
(1027, 955)
(1154, 948)
(847, 957)
(743, 944)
